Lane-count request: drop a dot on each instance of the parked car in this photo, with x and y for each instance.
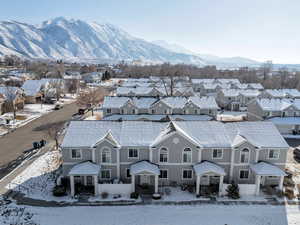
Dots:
(57, 107)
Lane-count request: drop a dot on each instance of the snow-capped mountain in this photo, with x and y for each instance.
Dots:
(61, 38)
(209, 59)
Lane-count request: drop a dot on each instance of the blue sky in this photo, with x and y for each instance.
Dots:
(258, 29)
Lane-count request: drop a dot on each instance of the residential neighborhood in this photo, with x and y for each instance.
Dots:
(149, 113)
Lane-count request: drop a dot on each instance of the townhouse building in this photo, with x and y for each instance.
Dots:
(155, 154)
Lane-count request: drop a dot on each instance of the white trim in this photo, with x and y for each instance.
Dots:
(268, 156)
(245, 163)
(138, 153)
(212, 153)
(191, 152)
(167, 174)
(186, 178)
(240, 174)
(160, 152)
(71, 157)
(110, 155)
(105, 170)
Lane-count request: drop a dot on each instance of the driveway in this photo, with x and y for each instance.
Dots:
(13, 144)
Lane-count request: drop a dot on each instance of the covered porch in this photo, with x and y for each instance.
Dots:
(86, 174)
(263, 171)
(208, 170)
(142, 174)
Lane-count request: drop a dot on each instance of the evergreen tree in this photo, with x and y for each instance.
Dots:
(233, 191)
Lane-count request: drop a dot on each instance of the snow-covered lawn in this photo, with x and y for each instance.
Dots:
(176, 194)
(38, 180)
(162, 215)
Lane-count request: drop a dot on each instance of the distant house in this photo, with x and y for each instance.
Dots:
(93, 77)
(11, 97)
(280, 93)
(36, 90)
(160, 106)
(198, 84)
(234, 99)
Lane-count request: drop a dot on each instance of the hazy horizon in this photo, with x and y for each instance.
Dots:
(259, 30)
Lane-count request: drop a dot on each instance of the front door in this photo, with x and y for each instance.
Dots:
(89, 180)
(144, 179)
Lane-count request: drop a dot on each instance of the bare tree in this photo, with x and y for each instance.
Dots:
(10, 96)
(91, 98)
(57, 86)
(53, 131)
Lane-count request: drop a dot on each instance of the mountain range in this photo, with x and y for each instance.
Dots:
(78, 40)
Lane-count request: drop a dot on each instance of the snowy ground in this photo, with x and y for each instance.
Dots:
(38, 180)
(159, 215)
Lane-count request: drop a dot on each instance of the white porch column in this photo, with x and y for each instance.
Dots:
(280, 186)
(156, 184)
(257, 155)
(118, 163)
(84, 180)
(221, 185)
(95, 185)
(150, 154)
(133, 182)
(198, 185)
(231, 164)
(199, 155)
(93, 155)
(257, 183)
(72, 185)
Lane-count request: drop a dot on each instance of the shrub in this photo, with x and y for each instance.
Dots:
(104, 195)
(279, 194)
(191, 188)
(134, 195)
(59, 191)
(233, 191)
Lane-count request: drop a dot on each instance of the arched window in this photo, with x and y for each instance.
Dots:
(163, 155)
(106, 155)
(187, 155)
(245, 155)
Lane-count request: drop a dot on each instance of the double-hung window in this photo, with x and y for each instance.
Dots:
(245, 153)
(187, 155)
(106, 155)
(75, 153)
(133, 153)
(217, 154)
(105, 174)
(163, 155)
(244, 174)
(273, 154)
(187, 174)
(163, 174)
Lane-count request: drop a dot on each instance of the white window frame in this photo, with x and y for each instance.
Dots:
(108, 110)
(102, 150)
(248, 156)
(133, 157)
(109, 170)
(160, 153)
(183, 152)
(273, 150)
(217, 149)
(240, 174)
(163, 177)
(183, 173)
(76, 150)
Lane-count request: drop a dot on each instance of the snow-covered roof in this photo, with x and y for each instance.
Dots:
(156, 117)
(255, 85)
(208, 102)
(208, 167)
(85, 168)
(267, 169)
(144, 167)
(285, 120)
(274, 104)
(283, 93)
(146, 133)
(8, 92)
(243, 92)
(114, 102)
(32, 87)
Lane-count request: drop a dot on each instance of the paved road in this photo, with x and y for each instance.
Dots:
(12, 145)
